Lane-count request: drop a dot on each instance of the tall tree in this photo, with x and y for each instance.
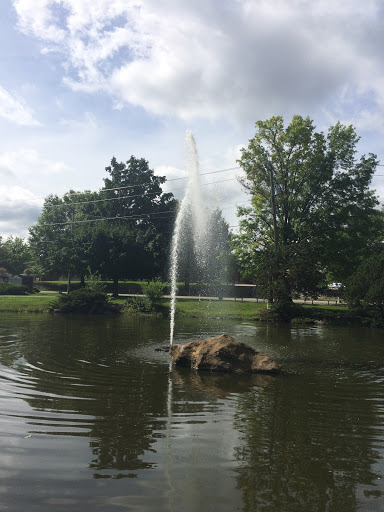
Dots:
(136, 198)
(123, 230)
(312, 213)
(15, 255)
(60, 238)
(213, 264)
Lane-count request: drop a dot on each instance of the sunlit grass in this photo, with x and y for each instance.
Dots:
(237, 310)
(37, 303)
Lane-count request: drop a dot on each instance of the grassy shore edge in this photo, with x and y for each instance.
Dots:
(233, 310)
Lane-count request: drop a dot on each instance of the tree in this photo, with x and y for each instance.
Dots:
(136, 199)
(15, 255)
(213, 265)
(312, 214)
(365, 288)
(60, 238)
(122, 230)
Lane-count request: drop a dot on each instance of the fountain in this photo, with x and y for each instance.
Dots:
(191, 204)
(220, 353)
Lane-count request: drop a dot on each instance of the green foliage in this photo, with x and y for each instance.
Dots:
(138, 305)
(122, 231)
(15, 255)
(84, 300)
(12, 289)
(312, 214)
(94, 282)
(282, 311)
(154, 291)
(215, 264)
(364, 290)
(135, 195)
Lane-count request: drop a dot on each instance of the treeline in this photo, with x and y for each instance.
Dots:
(121, 232)
(313, 219)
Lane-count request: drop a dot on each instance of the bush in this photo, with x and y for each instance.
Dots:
(138, 304)
(84, 300)
(94, 282)
(12, 289)
(153, 292)
(281, 311)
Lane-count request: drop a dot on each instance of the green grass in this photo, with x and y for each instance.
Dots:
(219, 309)
(326, 307)
(213, 309)
(236, 310)
(38, 303)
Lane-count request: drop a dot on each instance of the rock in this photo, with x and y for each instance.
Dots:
(223, 354)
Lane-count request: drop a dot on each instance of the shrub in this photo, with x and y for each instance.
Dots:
(281, 311)
(153, 292)
(94, 282)
(138, 304)
(12, 289)
(84, 300)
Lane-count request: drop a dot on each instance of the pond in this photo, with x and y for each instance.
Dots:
(93, 418)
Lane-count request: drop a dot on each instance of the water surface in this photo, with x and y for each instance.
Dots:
(93, 418)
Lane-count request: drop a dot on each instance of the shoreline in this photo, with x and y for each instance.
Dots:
(187, 307)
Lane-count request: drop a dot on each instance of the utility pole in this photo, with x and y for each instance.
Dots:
(275, 233)
(69, 271)
(273, 206)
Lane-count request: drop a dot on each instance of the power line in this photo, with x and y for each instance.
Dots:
(84, 221)
(167, 180)
(119, 198)
(129, 186)
(137, 217)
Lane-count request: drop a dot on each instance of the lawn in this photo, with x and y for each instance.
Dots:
(36, 303)
(219, 309)
(236, 310)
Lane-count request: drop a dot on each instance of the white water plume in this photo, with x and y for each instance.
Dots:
(191, 202)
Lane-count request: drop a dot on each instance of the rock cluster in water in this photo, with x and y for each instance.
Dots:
(223, 354)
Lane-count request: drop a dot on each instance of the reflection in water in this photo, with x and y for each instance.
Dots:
(311, 445)
(91, 416)
(218, 385)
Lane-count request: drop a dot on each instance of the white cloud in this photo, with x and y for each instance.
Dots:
(176, 179)
(28, 162)
(19, 209)
(88, 122)
(238, 60)
(14, 110)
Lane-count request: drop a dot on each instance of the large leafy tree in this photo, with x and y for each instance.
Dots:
(211, 265)
(15, 255)
(60, 239)
(122, 231)
(365, 288)
(134, 195)
(312, 215)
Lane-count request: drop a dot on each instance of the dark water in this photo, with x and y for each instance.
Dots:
(92, 419)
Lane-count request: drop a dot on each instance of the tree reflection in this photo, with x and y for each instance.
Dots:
(84, 382)
(307, 445)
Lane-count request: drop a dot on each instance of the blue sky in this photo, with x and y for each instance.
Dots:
(84, 80)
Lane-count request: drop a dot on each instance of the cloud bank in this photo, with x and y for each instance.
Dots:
(215, 59)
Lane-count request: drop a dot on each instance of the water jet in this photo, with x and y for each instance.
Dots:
(191, 205)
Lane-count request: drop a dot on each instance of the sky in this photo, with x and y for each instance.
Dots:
(82, 81)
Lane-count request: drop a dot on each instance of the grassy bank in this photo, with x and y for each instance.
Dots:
(37, 303)
(236, 310)
(219, 309)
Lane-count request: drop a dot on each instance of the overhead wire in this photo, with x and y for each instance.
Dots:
(135, 196)
(131, 186)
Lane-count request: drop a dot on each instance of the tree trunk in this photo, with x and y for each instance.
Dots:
(115, 287)
(82, 280)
